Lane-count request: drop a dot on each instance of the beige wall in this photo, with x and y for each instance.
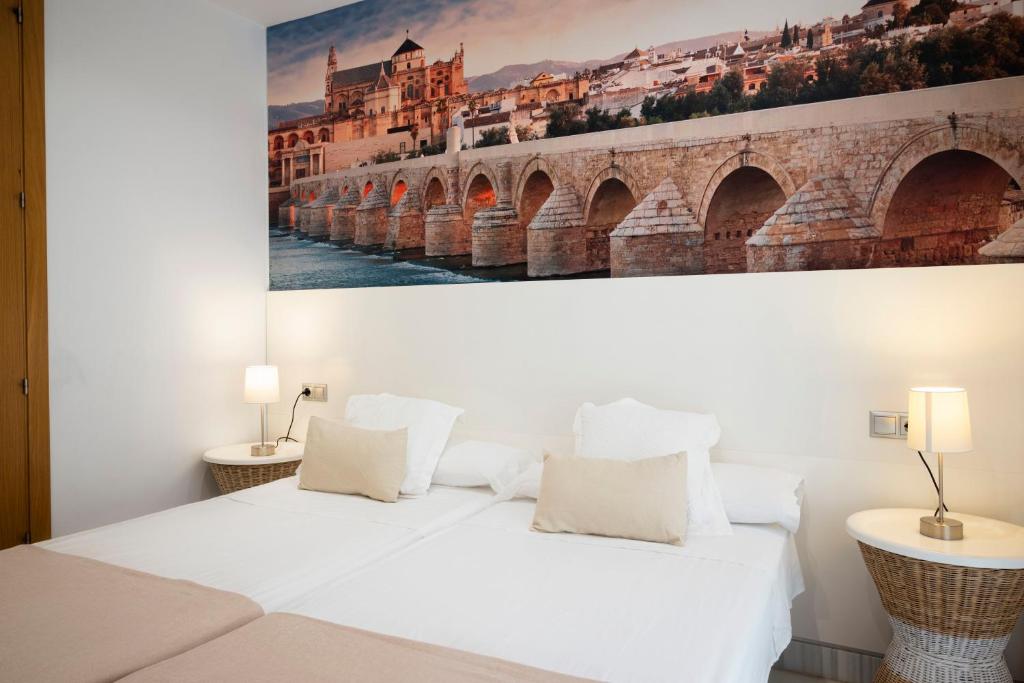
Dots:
(790, 363)
(157, 263)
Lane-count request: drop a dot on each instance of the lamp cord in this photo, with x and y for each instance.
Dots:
(934, 483)
(288, 435)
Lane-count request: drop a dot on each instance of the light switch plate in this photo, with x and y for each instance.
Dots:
(887, 424)
(317, 392)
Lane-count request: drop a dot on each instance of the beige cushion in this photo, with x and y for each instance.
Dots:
(639, 499)
(340, 458)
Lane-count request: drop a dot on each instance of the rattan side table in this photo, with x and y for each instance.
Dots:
(234, 468)
(952, 604)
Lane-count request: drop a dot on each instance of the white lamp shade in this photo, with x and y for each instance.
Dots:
(938, 420)
(261, 384)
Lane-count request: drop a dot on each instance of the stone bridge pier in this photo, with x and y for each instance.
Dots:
(320, 214)
(307, 207)
(499, 238)
(343, 219)
(286, 212)
(925, 177)
(372, 214)
(444, 225)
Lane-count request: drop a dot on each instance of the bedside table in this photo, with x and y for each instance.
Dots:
(234, 468)
(952, 604)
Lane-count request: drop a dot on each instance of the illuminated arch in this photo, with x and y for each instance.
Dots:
(478, 169)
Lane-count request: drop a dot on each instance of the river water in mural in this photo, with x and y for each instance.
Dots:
(297, 263)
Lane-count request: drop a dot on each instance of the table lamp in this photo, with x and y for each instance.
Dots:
(939, 422)
(261, 387)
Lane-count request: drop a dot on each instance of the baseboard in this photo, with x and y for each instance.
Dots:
(834, 662)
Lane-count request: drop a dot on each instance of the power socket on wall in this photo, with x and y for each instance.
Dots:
(317, 392)
(888, 424)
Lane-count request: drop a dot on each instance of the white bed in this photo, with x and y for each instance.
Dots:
(715, 610)
(274, 542)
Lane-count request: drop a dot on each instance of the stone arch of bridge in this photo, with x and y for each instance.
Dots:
(399, 184)
(479, 169)
(747, 158)
(536, 183)
(946, 139)
(742, 194)
(610, 173)
(612, 195)
(436, 178)
(537, 163)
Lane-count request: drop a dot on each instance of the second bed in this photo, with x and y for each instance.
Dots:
(716, 609)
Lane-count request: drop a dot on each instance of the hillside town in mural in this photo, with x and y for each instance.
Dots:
(419, 169)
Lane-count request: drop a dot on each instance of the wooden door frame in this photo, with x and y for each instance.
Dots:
(33, 88)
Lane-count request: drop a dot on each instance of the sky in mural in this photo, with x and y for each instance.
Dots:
(498, 33)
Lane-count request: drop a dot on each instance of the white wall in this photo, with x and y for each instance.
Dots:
(155, 123)
(790, 362)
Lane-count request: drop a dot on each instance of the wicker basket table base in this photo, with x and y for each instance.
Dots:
(951, 624)
(231, 478)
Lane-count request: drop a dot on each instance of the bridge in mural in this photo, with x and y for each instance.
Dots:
(929, 177)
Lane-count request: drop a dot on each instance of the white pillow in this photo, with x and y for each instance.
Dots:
(760, 495)
(630, 430)
(526, 485)
(481, 463)
(429, 423)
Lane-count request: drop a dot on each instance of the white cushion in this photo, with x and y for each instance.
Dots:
(760, 495)
(630, 430)
(481, 463)
(429, 423)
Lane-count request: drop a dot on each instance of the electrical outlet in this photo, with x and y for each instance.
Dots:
(888, 424)
(317, 392)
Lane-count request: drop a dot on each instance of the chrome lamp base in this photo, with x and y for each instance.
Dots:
(262, 449)
(938, 525)
(945, 529)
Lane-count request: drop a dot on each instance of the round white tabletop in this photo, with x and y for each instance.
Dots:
(987, 543)
(239, 454)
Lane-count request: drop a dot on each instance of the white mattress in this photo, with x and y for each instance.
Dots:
(715, 610)
(274, 542)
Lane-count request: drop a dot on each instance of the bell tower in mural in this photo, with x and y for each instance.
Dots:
(332, 66)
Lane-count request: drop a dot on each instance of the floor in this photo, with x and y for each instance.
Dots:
(790, 677)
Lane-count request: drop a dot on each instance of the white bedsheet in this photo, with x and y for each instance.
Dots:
(714, 610)
(274, 542)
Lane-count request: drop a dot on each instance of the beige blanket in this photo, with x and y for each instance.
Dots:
(287, 647)
(67, 618)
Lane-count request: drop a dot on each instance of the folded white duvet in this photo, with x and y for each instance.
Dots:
(274, 542)
(716, 609)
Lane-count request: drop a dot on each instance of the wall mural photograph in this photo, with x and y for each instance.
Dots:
(459, 141)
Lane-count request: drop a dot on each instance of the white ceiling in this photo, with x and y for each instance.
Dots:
(270, 12)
